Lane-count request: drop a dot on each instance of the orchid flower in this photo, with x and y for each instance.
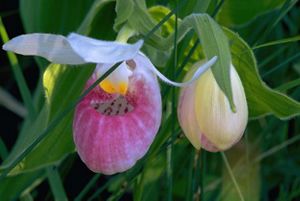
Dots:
(205, 115)
(116, 122)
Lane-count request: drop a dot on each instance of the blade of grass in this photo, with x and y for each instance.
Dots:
(232, 176)
(278, 42)
(173, 115)
(197, 178)
(103, 187)
(87, 187)
(289, 85)
(9, 102)
(271, 57)
(283, 11)
(203, 172)
(8, 13)
(23, 88)
(166, 18)
(218, 7)
(277, 148)
(190, 181)
(26, 197)
(3, 150)
(56, 185)
(281, 65)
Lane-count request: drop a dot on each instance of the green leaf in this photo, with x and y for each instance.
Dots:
(261, 99)
(56, 184)
(55, 16)
(63, 84)
(235, 12)
(124, 10)
(13, 186)
(215, 43)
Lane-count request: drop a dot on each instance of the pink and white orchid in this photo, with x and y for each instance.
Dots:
(115, 124)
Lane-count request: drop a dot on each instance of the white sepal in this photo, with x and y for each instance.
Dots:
(98, 51)
(55, 48)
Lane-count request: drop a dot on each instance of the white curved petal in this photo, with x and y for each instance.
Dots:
(55, 48)
(98, 51)
(200, 70)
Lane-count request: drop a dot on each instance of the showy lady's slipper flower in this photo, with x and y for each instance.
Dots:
(116, 122)
(205, 116)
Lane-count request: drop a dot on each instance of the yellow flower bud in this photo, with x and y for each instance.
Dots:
(205, 115)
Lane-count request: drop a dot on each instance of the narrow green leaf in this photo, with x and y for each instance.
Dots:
(56, 184)
(246, 173)
(285, 8)
(3, 150)
(10, 103)
(236, 185)
(260, 98)
(88, 187)
(278, 42)
(279, 66)
(215, 43)
(202, 6)
(289, 85)
(24, 90)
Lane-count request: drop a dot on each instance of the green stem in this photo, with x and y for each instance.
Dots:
(170, 147)
(203, 172)
(125, 33)
(87, 187)
(56, 184)
(232, 176)
(3, 150)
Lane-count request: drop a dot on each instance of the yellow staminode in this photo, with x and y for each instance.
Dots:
(113, 88)
(117, 81)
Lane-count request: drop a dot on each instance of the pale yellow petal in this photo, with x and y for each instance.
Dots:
(218, 123)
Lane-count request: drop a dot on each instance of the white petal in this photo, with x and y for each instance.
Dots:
(197, 74)
(55, 48)
(98, 51)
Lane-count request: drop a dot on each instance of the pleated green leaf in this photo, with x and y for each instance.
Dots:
(124, 10)
(53, 16)
(262, 100)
